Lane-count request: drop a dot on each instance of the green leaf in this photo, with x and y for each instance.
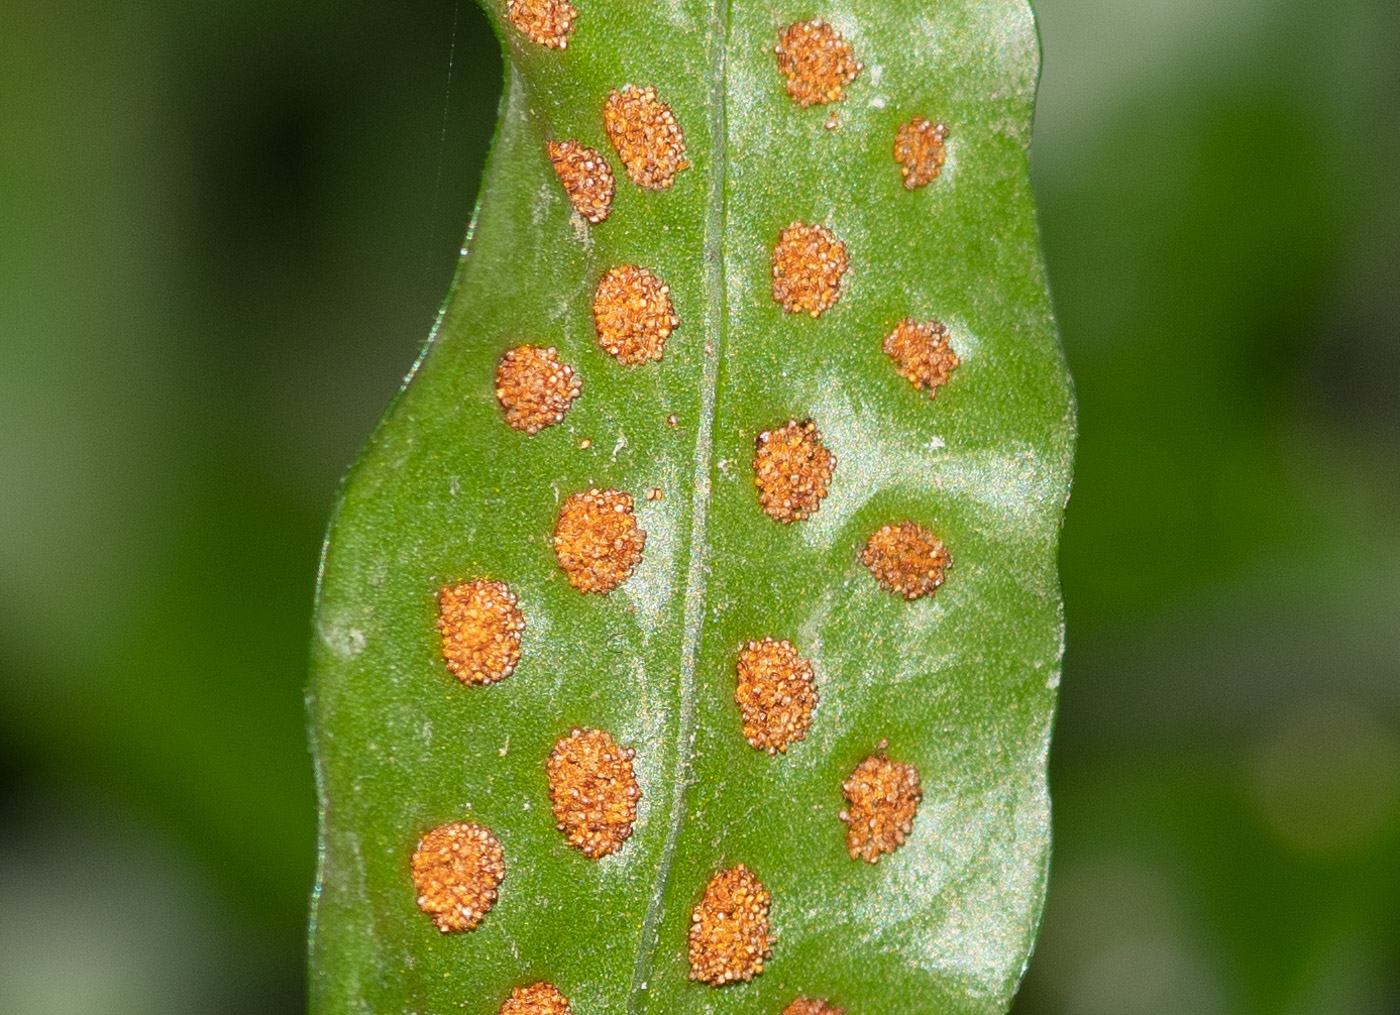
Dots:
(961, 684)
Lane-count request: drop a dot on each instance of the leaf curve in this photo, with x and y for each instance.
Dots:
(960, 683)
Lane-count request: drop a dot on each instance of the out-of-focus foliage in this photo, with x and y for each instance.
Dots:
(225, 228)
(1220, 198)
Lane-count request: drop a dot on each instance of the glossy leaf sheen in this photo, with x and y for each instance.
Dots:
(962, 684)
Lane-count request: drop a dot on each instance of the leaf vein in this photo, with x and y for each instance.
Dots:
(716, 222)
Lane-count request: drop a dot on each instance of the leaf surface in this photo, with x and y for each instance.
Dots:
(960, 684)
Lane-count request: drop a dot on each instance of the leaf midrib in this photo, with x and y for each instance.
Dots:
(716, 221)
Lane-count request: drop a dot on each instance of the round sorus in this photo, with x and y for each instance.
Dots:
(792, 470)
(536, 999)
(456, 869)
(593, 791)
(816, 61)
(808, 263)
(633, 315)
(906, 559)
(921, 353)
(480, 624)
(586, 176)
(729, 937)
(534, 387)
(597, 541)
(920, 151)
(776, 692)
(547, 22)
(883, 797)
(646, 135)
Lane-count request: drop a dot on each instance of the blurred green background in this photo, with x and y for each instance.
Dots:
(224, 231)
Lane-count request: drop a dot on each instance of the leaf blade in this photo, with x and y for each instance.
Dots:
(445, 492)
